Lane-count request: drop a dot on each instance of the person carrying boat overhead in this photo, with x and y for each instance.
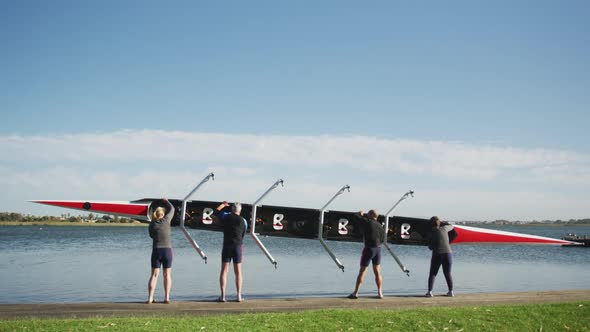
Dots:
(373, 233)
(439, 241)
(159, 230)
(234, 229)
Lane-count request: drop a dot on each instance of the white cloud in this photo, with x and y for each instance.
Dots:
(127, 164)
(455, 160)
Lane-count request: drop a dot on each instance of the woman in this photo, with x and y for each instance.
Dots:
(439, 241)
(159, 230)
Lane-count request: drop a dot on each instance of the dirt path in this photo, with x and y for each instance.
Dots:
(11, 311)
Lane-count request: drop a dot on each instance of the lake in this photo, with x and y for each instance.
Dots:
(69, 264)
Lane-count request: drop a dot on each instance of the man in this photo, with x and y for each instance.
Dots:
(439, 243)
(234, 229)
(373, 233)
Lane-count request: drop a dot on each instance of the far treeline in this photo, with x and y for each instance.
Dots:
(558, 222)
(90, 218)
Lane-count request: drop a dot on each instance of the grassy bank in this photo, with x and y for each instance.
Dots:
(68, 223)
(573, 316)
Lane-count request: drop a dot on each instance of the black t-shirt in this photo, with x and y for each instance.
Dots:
(234, 228)
(372, 231)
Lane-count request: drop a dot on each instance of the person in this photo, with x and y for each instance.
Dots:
(234, 229)
(373, 233)
(439, 242)
(159, 230)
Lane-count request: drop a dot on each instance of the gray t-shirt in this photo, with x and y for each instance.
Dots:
(439, 240)
(160, 229)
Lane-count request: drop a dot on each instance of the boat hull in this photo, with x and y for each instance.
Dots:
(282, 221)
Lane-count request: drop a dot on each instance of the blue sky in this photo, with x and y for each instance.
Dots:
(481, 107)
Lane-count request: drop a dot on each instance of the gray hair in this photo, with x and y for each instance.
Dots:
(236, 207)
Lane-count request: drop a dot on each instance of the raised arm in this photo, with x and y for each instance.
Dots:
(447, 227)
(360, 217)
(245, 225)
(222, 206)
(170, 213)
(452, 233)
(219, 211)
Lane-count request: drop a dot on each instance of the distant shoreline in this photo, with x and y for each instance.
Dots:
(524, 224)
(68, 223)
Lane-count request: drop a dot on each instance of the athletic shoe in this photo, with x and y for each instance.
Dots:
(428, 294)
(450, 293)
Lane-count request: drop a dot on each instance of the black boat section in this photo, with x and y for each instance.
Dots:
(580, 240)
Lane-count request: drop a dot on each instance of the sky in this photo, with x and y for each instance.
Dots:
(481, 108)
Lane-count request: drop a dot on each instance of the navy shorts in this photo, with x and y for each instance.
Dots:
(162, 257)
(232, 252)
(371, 255)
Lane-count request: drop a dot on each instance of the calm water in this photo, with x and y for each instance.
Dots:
(41, 264)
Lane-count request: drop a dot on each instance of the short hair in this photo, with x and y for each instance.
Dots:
(373, 214)
(236, 207)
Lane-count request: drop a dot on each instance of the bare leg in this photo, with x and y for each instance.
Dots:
(359, 280)
(167, 284)
(152, 285)
(238, 272)
(223, 279)
(378, 280)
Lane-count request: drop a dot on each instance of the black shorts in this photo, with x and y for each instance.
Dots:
(232, 252)
(371, 254)
(162, 257)
(446, 260)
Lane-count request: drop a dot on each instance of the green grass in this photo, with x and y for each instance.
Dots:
(573, 316)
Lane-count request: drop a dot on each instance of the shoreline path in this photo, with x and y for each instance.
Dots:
(125, 309)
